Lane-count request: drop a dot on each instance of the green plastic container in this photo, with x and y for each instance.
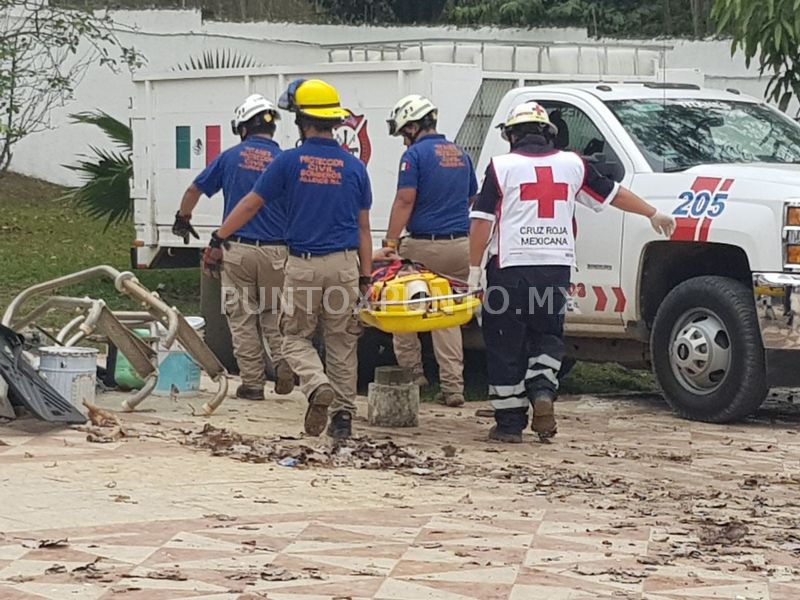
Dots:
(124, 373)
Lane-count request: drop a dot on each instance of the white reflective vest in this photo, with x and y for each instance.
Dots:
(533, 205)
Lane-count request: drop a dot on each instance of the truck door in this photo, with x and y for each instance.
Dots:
(597, 296)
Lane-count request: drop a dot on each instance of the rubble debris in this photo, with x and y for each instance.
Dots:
(359, 453)
(49, 543)
(100, 417)
(728, 533)
(55, 569)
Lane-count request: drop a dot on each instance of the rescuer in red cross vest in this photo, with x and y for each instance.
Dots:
(529, 196)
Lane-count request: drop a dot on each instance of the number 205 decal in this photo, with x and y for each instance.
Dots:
(701, 204)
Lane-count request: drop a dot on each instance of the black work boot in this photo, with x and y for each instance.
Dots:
(510, 423)
(284, 378)
(509, 437)
(250, 392)
(544, 416)
(341, 425)
(317, 411)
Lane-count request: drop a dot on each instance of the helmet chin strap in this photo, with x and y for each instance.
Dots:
(297, 121)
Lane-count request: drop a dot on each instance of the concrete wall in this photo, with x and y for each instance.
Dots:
(169, 37)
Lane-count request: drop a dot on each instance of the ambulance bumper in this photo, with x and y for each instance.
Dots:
(777, 298)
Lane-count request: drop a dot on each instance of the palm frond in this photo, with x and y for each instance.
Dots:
(117, 131)
(224, 58)
(105, 174)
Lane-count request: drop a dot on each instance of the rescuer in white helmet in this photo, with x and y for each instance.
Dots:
(251, 263)
(435, 186)
(527, 206)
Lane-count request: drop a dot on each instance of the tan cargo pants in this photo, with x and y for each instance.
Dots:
(449, 258)
(323, 290)
(252, 280)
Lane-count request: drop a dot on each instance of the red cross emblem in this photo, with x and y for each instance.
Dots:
(545, 191)
(540, 111)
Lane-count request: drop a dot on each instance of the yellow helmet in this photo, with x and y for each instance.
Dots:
(313, 98)
(528, 112)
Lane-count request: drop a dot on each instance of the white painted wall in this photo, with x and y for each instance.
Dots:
(169, 37)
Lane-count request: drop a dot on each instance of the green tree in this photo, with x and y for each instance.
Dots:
(619, 18)
(44, 52)
(105, 192)
(769, 31)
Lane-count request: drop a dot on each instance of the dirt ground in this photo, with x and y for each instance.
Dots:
(628, 502)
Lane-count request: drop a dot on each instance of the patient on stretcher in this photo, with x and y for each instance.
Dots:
(406, 297)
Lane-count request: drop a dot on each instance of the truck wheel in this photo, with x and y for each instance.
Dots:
(374, 350)
(707, 350)
(218, 335)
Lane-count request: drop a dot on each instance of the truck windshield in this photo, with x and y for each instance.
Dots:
(676, 134)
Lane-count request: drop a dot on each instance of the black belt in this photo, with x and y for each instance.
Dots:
(252, 242)
(437, 236)
(308, 255)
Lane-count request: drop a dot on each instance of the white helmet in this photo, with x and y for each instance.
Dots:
(527, 112)
(252, 106)
(407, 110)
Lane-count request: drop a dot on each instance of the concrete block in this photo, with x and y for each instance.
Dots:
(393, 398)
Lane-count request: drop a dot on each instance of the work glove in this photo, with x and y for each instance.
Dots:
(663, 224)
(212, 256)
(182, 227)
(474, 281)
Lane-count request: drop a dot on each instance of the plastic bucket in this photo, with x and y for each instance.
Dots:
(71, 371)
(176, 367)
(124, 374)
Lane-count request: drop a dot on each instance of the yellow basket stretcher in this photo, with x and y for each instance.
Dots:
(416, 303)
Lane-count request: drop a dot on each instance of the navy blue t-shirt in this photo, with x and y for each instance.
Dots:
(235, 171)
(443, 176)
(323, 188)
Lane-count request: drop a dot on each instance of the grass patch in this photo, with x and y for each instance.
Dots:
(584, 378)
(603, 378)
(42, 237)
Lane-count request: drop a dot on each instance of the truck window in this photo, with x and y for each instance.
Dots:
(578, 133)
(675, 134)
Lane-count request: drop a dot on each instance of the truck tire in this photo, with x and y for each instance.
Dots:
(707, 351)
(374, 350)
(218, 335)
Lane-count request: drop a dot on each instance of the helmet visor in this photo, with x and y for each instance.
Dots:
(392, 124)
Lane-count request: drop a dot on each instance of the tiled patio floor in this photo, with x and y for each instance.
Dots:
(629, 502)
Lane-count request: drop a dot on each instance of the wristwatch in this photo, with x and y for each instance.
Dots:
(216, 241)
(392, 243)
(364, 280)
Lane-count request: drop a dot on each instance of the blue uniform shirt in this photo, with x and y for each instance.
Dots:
(323, 188)
(235, 171)
(443, 176)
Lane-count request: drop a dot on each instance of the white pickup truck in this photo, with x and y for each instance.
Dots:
(712, 309)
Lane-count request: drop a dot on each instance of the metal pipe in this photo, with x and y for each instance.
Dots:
(55, 284)
(427, 299)
(67, 329)
(46, 306)
(149, 385)
(222, 390)
(127, 283)
(75, 339)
